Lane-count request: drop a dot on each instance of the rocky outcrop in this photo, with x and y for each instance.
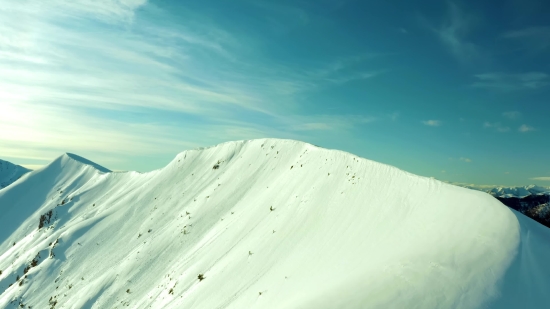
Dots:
(537, 207)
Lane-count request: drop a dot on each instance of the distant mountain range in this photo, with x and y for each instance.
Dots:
(519, 192)
(508, 192)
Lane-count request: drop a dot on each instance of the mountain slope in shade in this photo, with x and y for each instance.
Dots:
(535, 206)
(532, 201)
(10, 172)
(263, 224)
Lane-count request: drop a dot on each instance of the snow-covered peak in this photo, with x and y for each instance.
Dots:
(10, 172)
(73, 159)
(263, 224)
(227, 150)
(71, 164)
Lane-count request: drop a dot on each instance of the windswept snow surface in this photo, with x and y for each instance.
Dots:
(9, 173)
(265, 224)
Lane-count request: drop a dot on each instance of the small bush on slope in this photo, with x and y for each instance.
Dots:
(45, 219)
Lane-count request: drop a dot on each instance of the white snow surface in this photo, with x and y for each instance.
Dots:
(10, 172)
(280, 224)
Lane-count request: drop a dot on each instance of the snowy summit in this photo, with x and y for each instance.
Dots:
(263, 224)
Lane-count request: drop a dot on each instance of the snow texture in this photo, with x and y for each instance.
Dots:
(263, 224)
(10, 172)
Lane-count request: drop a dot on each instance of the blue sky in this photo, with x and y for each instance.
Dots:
(457, 90)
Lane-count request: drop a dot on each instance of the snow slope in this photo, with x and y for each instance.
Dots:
(9, 173)
(263, 224)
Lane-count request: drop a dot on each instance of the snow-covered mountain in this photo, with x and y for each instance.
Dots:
(519, 192)
(10, 172)
(532, 201)
(508, 192)
(263, 224)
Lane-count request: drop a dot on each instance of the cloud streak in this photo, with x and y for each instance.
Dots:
(497, 126)
(512, 115)
(511, 82)
(525, 128)
(330, 122)
(453, 33)
(86, 75)
(432, 123)
(535, 39)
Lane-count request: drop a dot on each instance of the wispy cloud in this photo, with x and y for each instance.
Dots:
(541, 178)
(497, 126)
(509, 82)
(352, 77)
(535, 39)
(454, 31)
(512, 115)
(92, 75)
(282, 17)
(329, 122)
(432, 123)
(525, 128)
(347, 69)
(39, 133)
(109, 69)
(114, 11)
(462, 159)
(344, 63)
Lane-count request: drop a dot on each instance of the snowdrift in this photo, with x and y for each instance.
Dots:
(263, 224)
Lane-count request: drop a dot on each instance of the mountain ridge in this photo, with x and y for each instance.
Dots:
(10, 173)
(278, 224)
(508, 191)
(83, 161)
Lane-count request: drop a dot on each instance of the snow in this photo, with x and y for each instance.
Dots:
(9, 173)
(280, 224)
